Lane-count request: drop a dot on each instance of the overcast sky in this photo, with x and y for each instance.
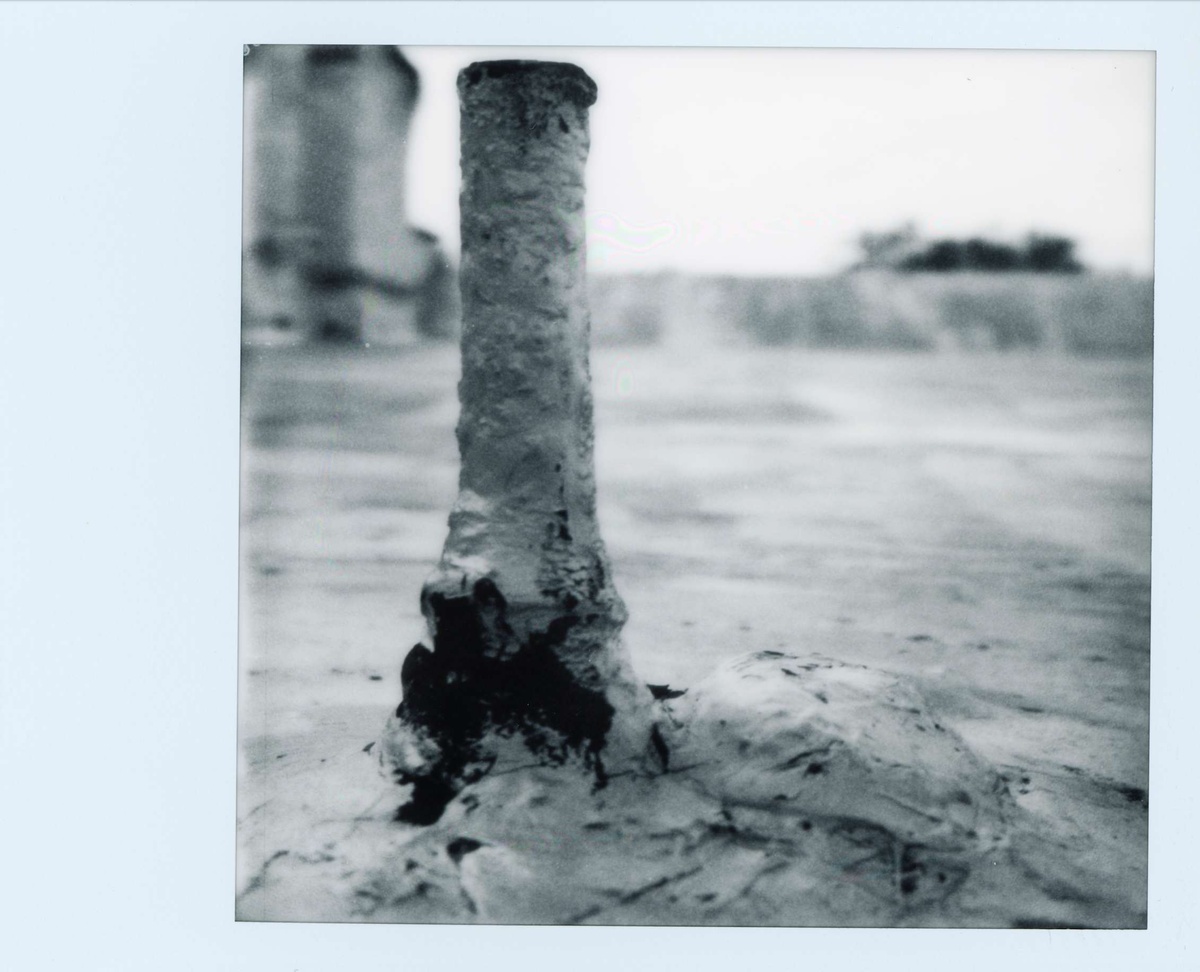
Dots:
(772, 161)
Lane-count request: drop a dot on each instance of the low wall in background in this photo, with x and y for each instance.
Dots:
(1088, 314)
(1081, 313)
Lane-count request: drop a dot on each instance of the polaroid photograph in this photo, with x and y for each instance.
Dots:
(695, 486)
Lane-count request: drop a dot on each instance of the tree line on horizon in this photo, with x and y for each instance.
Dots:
(903, 250)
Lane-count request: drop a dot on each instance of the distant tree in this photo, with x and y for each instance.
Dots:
(1051, 254)
(939, 256)
(886, 249)
(902, 250)
(991, 257)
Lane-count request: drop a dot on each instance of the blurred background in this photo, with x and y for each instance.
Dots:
(872, 367)
(908, 199)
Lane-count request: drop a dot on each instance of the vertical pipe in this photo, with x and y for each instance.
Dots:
(522, 612)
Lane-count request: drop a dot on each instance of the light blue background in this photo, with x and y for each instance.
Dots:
(120, 217)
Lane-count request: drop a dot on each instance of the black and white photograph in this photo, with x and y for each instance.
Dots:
(593, 484)
(695, 486)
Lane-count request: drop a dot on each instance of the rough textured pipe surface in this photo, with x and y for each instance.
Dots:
(523, 616)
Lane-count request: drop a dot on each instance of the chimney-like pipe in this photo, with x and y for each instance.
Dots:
(522, 613)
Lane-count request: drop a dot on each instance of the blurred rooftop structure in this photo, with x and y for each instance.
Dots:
(328, 251)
